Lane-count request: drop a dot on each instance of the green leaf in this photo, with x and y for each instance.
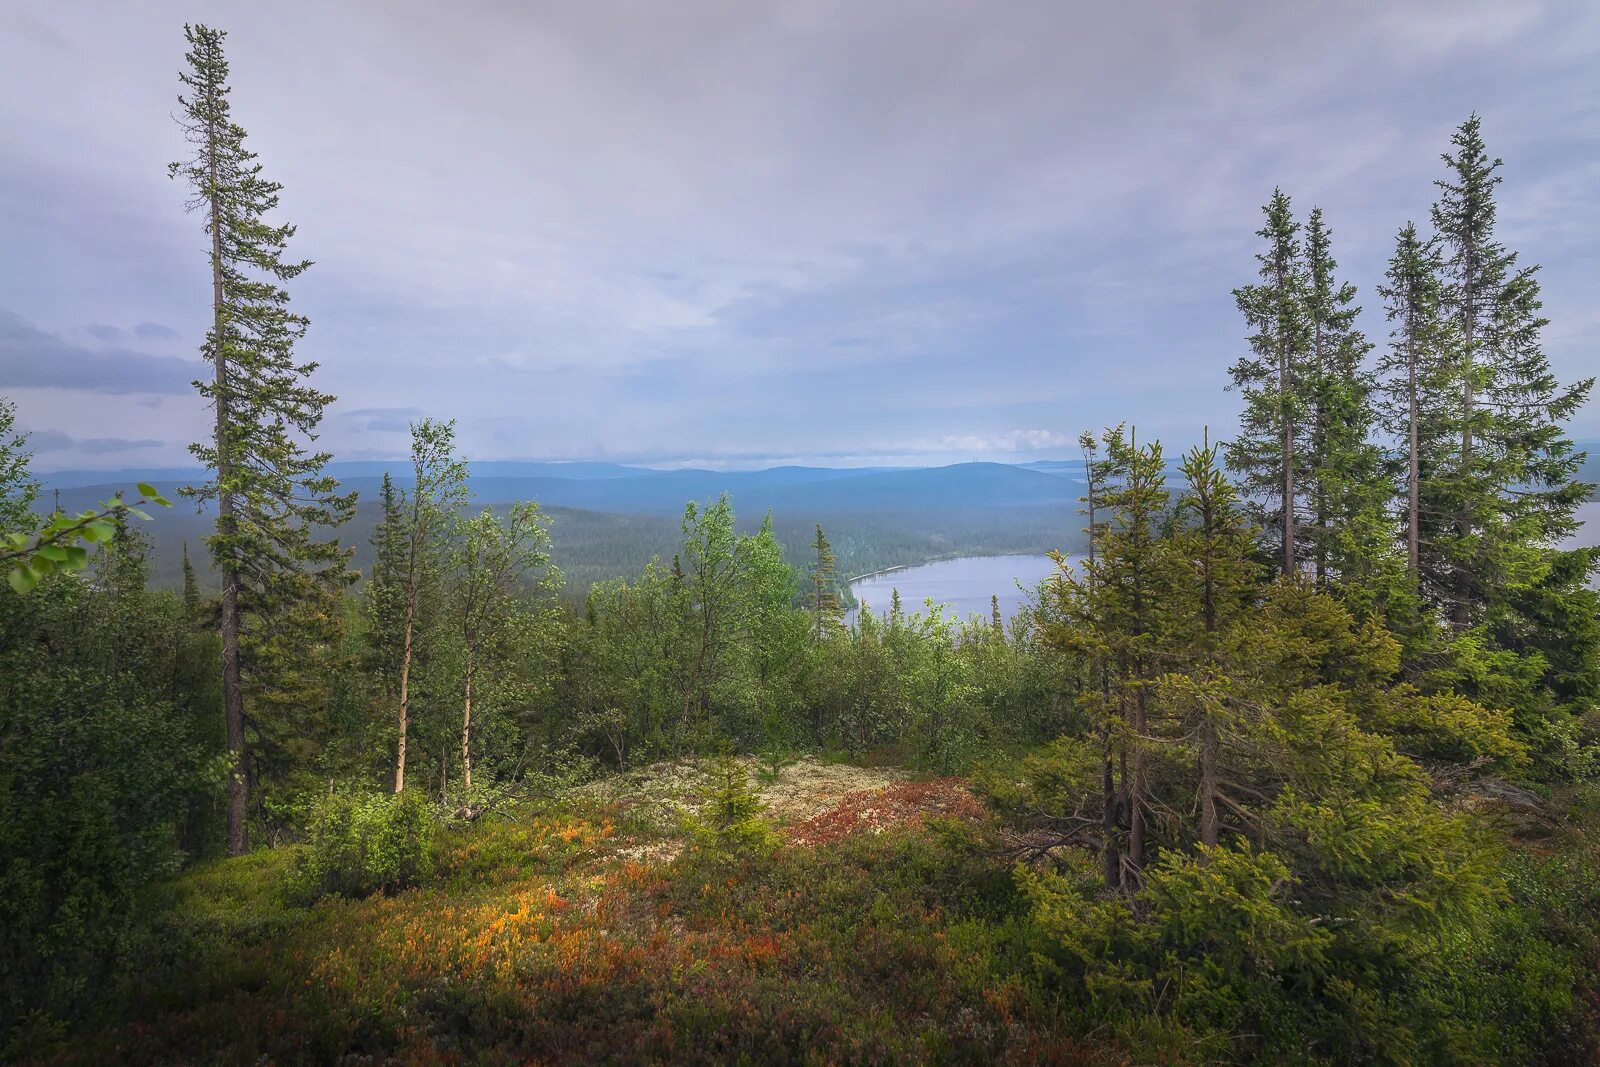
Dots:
(54, 553)
(147, 490)
(22, 579)
(99, 530)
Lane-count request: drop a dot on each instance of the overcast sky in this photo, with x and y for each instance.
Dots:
(747, 232)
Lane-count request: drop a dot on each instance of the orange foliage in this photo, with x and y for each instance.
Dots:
(875, 810)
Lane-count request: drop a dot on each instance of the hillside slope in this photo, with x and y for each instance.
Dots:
(591, 930)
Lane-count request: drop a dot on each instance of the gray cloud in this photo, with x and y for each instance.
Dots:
(850, 229)
(382, 420)
(45, 441)
(103, 446)
(154, 331)
(49, 441)
(30, 357)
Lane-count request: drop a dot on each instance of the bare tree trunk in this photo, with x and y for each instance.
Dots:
(405, 688)
(233, 704)
(1460, 614)
(1288, 465)
(1108, 817)
(1110, 813)
(1209, 742)
(1319, 445)
(1209, 826)
(466, 727)
(1137, 791)
(1413, 476)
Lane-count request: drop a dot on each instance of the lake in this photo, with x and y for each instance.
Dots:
(1589, 513)
(963, 585)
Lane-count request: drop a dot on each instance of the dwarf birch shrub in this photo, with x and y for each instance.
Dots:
(364, 844)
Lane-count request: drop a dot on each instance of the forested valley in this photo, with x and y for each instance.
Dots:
(1298, 762)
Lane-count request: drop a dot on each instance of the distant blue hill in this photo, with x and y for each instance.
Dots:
(789, 490)
(346, 470)
(1071, 467)
(609, 519)
(641, 491)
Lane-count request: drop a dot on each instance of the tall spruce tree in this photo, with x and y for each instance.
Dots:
(273, 496)
(1097, 470)
(1418, 399)
(823, 597)
(1274, 379)
(1513, 486)
(191, 588)
(1111, 614)
(1342, 469)
(1213, 584)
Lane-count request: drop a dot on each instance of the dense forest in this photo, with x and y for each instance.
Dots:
(1299, 764)
(593, 546)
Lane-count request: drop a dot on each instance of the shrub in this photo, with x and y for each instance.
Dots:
(1530, 979)
(729, 821)
(364, 844)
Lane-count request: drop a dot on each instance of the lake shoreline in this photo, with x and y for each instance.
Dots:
(964, 585)
(880, 572)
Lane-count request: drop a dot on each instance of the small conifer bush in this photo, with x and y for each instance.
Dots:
(730, 821)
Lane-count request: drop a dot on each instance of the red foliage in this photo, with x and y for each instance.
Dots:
(873, 810)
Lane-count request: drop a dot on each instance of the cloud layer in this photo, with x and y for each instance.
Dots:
(31, 358)
(739, 233)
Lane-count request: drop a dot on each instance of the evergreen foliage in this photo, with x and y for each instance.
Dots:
(1511, 488)
(824, 595)
(1276, 379)
(729, 822)
(272, 495)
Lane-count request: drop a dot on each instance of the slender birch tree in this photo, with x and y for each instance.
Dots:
(494, 556)
(431, 510)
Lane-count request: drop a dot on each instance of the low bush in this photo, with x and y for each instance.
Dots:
(729, 821)
(365, 844)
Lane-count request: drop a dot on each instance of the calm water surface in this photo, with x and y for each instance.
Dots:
(1589, 534)
(963, 586)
